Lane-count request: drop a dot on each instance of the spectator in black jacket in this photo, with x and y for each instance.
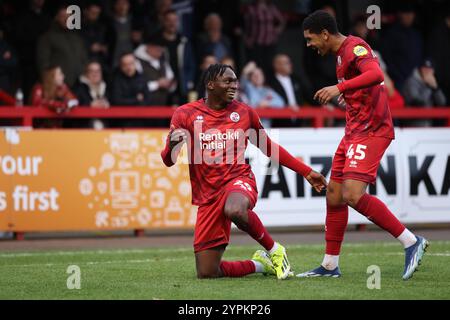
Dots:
(129, 87)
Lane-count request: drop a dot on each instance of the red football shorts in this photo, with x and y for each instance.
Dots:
(213, 228)
(358, 158)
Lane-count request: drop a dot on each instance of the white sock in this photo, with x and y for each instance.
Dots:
(258, 267)
(274, 248)
(330, 262)
(407, 238)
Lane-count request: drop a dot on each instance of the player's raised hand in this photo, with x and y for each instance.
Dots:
(324, 95)
(317, 180)
(177, 136)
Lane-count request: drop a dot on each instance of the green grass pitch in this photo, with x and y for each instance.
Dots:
(169, 273)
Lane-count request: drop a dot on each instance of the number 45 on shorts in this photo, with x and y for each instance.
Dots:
(358, 153)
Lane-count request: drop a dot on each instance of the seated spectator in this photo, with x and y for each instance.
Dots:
(53, 92)
(256, 94)
(153, 63)
(91, 91)
(422, 89)
(212, 41)
(129, 87)
(294, 90)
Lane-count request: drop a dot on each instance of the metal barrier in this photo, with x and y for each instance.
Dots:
(24, 116)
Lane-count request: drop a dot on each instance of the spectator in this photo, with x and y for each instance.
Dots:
(295, 91)
(229, 61)
(129, 87)
(53, 92)
(29, 26)
(63, 47)
(8, 64)
(120, 33)
(200, 87)
(91, 90)
(94, 33)
(212, 41)
(152, 62)
(257, 94)
(154, 22)
(181, 57)
(263, 25)
(402, 46)
(439, 51)
(422, 89)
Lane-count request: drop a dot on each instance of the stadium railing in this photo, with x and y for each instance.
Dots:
(25, 116)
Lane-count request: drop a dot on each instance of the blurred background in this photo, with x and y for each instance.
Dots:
(152, 53)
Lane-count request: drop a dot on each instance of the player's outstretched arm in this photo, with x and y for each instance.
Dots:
(174, 142)
(371, 74)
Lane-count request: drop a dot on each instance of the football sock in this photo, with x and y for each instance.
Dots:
(330, 262)
(259, 268)
(335, 225)
(407, 238)
(377, 212)
(257, 231)
(274, 248)
(237, 268)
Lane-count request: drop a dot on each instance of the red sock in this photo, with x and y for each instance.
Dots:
(257, 231)
(335, 225)
(237, 268)
(377, 212)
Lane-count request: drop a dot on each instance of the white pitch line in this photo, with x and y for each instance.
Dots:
(434, 254)
(98, 262)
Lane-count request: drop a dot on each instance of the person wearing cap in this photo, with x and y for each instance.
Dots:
(422, 89)
(152, 62)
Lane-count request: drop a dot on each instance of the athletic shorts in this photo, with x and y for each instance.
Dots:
(213, 228)
(358, 158)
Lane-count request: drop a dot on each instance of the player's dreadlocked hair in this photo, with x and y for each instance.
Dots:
(320, 20)
(214, 71)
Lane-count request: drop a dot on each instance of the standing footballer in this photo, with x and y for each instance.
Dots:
(368, 133)
(217, 130)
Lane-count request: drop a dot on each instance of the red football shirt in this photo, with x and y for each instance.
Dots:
(367, 109)
(216, 144)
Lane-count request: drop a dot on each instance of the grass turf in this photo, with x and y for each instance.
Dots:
(169, 273)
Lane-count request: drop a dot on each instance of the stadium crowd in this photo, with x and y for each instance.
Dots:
(152, 53)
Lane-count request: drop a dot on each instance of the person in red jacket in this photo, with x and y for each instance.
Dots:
(52, 92)
(368, 133)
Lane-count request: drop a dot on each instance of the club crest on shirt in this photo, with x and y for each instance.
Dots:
(359, 51)
(234, 116)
